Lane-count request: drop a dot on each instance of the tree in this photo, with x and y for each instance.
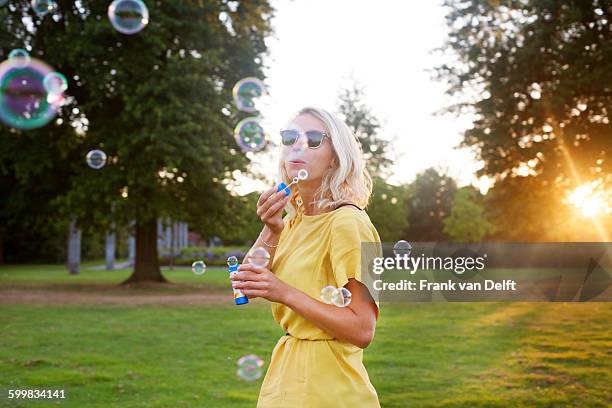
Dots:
(366, 127)
(158, 103)
(29, 181)
(535, 75)
(430, 202)
(388, 209)
(467, 220)
(387, 204)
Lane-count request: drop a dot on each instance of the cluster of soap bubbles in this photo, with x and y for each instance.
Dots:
(249, 132)
(250, 367)
(127, 17)
(340, 297)
(31, 92)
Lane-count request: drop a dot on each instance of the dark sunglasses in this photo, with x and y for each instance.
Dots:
(314, 137)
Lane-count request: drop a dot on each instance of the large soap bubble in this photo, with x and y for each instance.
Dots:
(250, 135)
(128, 16)
(247, 92)
(24, 101)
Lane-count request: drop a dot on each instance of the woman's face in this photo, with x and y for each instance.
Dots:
(316, 161)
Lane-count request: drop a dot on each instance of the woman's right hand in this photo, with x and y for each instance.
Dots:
(270, 209)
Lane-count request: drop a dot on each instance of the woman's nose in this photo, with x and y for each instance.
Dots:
(300, 144)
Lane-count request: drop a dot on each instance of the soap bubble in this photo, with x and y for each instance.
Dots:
(341, 297)
(402, 248)
(302, 174)
(24, 102)
(128, 16)
(43, 7)
(96, 159)
(19, 57)
(250, 135)
(250, 367)
(198, 267)
(327, 293)
(55, 83)
(232, 261)
(259, 257)
(246, 92)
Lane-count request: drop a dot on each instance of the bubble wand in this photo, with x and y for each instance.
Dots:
(301, 176)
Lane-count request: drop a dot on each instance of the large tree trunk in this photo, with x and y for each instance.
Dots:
(146, 265)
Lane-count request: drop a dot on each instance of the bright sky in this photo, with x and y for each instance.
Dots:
(321, 47)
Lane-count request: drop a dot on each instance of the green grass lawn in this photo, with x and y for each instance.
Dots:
(57, 274)
(423, 354)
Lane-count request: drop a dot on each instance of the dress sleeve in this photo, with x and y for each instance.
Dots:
(347, 233)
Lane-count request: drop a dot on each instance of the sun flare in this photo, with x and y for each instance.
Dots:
(591, 199)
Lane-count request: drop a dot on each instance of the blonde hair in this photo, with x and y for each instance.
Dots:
(348, 181)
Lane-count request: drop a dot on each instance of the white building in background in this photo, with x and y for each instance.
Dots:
(172, 235)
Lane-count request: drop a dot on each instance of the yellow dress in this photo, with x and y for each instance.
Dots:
(308, 367)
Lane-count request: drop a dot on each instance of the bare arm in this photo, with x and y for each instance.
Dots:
(271, 239)
(270, 210)
(354, 324)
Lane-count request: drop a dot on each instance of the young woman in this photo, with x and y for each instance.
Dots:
(319, 362)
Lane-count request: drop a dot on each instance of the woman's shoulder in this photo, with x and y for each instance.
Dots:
(351, 226)
(351, 215)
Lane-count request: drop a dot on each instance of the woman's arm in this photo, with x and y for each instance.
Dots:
(354, 324)
(271, 241)
(270, 210)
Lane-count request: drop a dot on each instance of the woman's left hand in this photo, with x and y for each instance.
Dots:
(258, 281)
